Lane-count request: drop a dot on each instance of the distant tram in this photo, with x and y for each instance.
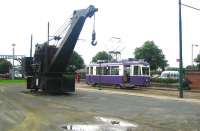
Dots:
(126, 73)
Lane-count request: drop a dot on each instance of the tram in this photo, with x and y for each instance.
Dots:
(125, 73)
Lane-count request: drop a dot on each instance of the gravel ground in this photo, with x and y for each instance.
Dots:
(21, 110)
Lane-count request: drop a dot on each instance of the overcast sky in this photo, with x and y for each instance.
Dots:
(133, 21)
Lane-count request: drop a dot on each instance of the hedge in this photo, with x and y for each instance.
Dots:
(164, 80)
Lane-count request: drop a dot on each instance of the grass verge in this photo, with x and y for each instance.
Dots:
(12, 81)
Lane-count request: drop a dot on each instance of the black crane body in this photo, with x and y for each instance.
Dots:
(47, 69)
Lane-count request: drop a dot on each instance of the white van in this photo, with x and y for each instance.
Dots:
(170, 74)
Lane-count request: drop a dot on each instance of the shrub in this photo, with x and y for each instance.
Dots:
(164, 80)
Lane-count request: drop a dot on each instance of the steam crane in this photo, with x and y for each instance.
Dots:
(46, 70)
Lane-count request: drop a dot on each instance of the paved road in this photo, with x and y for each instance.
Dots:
(21, 110)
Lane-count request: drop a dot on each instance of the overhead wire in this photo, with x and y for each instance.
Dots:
(64, 29)
(190, 5)
(62, 33)
(61, 30)
(186, 5)
(63, 25)
(58, 33)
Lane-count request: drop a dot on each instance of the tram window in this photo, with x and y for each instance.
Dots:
(91, 70)
(98, 71)
(139, 72)
(106, 70)
(145, 71)
(136, 69)
(115, 70)
(127, 70)
(87, 71)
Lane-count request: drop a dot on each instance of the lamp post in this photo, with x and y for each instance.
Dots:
(180, 47)
(180, 54)
(193, 51)
(13, 70)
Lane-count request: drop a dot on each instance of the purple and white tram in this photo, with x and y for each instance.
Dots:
(123, 73)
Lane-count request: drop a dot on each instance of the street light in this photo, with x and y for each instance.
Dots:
(13, 70)
(180, 53)
(192, 52)
(180, 46)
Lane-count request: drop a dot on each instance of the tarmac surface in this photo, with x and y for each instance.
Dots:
(94, 110)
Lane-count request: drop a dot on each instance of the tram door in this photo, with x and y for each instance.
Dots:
(126, 73)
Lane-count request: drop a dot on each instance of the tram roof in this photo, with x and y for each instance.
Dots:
(122, 62)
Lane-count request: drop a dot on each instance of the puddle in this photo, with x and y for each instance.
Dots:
(101, 124)
(117, 122)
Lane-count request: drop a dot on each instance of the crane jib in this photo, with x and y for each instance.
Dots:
(62, 56)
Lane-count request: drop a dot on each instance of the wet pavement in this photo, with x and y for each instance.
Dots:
(21, 110)
(100, 124)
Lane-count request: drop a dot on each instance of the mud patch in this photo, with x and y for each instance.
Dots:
(101, 124)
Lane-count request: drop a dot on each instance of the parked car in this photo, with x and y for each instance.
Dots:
(18, 74)
(170, 74)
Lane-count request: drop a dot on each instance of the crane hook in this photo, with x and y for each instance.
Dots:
(94, 42)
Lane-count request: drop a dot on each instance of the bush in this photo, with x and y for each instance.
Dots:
(170, 81)
(164, 80)
(4, 66)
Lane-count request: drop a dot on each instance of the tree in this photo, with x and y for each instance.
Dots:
(102, 55)
(191, 67)
(76, 62)
(172, 69)
(4, 66)
(197, 60)
(152, 54)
